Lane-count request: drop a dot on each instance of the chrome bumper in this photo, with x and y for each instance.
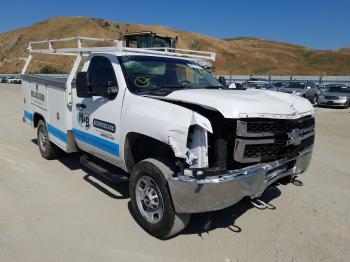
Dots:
(192, 195)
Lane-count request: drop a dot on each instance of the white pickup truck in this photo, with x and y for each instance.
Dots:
(186, 144)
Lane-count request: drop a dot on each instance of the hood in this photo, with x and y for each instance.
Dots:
(244, 103)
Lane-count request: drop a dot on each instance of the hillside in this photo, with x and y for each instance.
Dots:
(234, 56)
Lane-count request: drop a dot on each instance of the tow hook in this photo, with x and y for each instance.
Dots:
(258, 203)
(296, 181)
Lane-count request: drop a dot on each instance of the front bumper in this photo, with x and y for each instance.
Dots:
(331, 102)
(192, 195)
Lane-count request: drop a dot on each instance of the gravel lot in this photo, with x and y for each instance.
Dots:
(56, 211)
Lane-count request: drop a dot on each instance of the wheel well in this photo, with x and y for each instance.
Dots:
(36, 118)
(139, 147)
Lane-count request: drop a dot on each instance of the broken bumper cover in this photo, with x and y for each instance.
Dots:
(192, 195)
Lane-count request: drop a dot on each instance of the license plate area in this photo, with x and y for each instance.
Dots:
(279, 170)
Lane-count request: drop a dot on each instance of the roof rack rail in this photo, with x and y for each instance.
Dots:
(117, 47)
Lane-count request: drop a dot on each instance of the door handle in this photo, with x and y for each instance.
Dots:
(79, 105)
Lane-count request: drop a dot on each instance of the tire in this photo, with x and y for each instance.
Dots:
(156, 216)
(47, 149)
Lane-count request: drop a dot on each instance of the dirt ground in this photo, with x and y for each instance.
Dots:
(56, 211)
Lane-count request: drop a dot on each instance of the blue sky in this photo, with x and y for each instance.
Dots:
(317, 24)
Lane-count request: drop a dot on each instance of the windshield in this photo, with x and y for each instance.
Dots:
(268, 86)
(338, 89)
(296, 85)
(145, 74)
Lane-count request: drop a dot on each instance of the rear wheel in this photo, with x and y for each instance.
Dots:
(151, 200)
(47, 149)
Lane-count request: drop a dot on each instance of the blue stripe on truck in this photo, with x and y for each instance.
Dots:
(98, 142)
(28, 116)
(57, 133)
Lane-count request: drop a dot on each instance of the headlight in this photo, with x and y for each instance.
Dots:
(343, 97)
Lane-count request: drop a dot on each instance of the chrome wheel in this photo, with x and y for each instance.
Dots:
(149, 199)
(43, 139)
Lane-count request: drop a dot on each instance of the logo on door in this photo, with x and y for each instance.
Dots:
(83, 120)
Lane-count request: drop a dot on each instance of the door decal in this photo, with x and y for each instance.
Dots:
(83, 120)
(103, 125)
(105, 145)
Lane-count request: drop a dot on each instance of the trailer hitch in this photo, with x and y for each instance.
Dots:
(258, 203)
(296, 181)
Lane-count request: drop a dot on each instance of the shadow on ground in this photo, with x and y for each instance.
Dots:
(203, 223)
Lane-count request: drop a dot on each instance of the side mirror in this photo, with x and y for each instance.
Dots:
(82, 85)
(112, 91)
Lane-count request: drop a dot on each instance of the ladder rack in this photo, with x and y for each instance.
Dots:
(117, 47)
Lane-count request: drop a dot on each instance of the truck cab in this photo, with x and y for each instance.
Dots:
(186, 143)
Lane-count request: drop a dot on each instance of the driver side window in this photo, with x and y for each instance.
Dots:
(101, 74)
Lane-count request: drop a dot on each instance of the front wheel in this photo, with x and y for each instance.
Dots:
(151, 200)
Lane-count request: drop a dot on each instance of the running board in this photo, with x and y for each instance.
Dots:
(93, 165)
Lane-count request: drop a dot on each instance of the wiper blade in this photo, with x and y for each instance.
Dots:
(159, 90)
(214, 87)
(162, 88)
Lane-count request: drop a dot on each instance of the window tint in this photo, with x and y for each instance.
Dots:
(338, 89)
(296, 85)
(101, 74)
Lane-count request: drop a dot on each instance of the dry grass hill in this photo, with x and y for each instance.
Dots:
(234, 56)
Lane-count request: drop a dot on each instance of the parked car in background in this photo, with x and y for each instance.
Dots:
(13, 80)
(279, 84)
(307, 90)
(253, 84)
(321, 87)
(3, 79)
(269, 87)
(259, 85)
(335, 96)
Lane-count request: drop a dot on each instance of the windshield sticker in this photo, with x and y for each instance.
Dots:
(142, 81)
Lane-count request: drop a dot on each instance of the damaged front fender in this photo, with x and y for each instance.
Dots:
(166, 122)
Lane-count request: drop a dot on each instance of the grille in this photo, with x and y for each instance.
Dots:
(277, 150)
(266, 140)
(280, 127)
(264, 152)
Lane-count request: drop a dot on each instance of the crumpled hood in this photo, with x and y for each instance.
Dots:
(245, 103)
